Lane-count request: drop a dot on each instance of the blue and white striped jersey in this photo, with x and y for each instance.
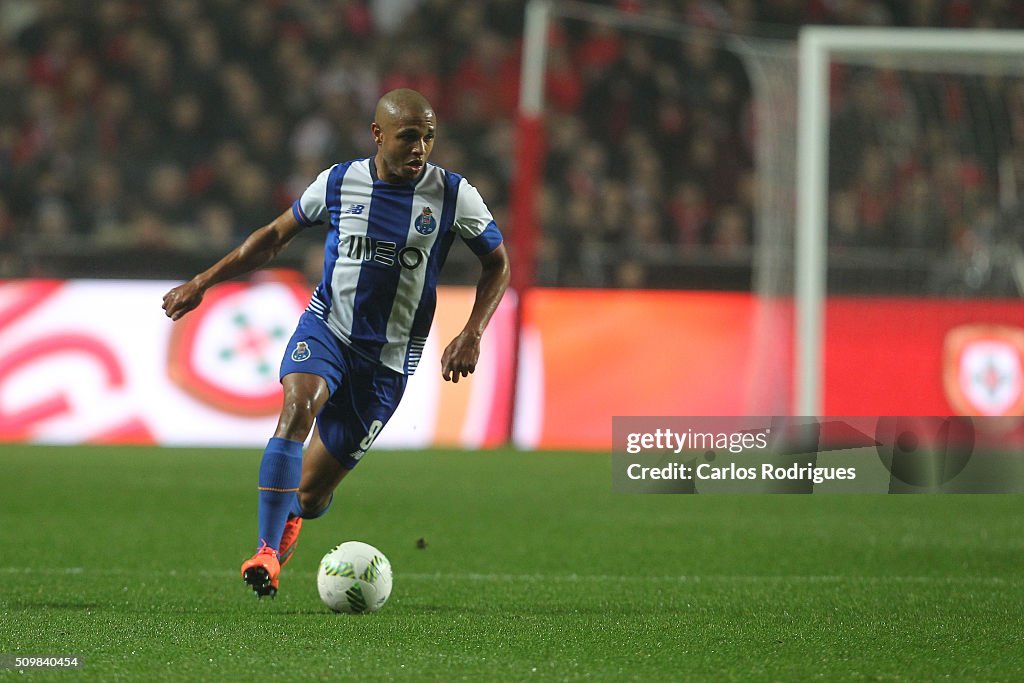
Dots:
(384, 250)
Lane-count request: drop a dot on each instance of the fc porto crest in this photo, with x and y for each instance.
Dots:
(425, 223)
(984, 370)
(301, 352)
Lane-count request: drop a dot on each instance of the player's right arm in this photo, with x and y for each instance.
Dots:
(257, 250)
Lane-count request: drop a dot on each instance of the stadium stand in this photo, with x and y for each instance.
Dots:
(138, 138)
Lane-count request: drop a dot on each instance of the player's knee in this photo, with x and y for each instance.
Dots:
(304, 395)
(313, 503)
(296, 419)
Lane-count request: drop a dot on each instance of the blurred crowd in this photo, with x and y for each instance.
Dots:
(928, 169)
(175, 127)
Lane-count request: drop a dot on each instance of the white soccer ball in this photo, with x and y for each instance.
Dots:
(354, 578)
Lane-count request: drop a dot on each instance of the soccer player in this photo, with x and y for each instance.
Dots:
(391, 219)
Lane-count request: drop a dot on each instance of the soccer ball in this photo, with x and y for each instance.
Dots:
(354, 578)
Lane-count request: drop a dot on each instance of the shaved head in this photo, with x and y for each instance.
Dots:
(404, 128)
(402, 103)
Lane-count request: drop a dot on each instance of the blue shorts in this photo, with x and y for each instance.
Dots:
(364, 394)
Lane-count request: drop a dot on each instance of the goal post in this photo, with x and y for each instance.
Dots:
(530, 141)
(924, 50)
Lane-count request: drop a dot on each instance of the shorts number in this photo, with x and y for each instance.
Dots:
(367, 441)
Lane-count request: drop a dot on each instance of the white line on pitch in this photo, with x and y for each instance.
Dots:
(555, 578)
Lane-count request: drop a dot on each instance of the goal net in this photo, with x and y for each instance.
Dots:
(909, 176)
(881, 162)
(685, 151)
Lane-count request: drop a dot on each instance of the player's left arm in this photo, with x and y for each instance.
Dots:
(460, 356)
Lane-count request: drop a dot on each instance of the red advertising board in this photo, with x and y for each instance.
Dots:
(912, 356)
(590, 355)
(94, 361)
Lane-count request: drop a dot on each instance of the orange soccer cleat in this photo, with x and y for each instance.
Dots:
(261, 571)
(288, 539)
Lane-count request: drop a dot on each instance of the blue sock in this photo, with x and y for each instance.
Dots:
(296, 510)
(280, 473)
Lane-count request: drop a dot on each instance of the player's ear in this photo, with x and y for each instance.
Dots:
(378, 134)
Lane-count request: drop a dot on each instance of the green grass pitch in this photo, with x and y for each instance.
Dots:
(533, 570)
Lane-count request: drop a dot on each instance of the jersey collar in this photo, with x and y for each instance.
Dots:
(411, 183)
